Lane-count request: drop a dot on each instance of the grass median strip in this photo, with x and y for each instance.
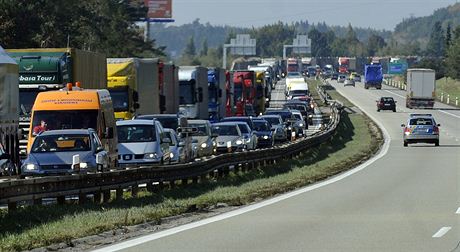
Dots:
(38, 226)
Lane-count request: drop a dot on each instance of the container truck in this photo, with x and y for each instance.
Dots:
(133, 84)
(421, 88)
(216, 86)
(9, 106)
(193, 92)
(44, 69)
(294, 65)
(373, 76)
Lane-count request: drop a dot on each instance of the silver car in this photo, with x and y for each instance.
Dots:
(229, 137)
(60, 152)
(176, 147)
(202, 142)
(278, 126)
(421, 128)
(349, 82)
(250, 138)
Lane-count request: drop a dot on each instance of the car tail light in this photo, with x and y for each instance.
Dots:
(407, 131)
(436, 130)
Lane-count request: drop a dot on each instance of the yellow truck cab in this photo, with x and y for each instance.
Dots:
(76, 108)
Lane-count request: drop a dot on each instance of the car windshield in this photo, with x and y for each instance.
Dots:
(66, 119)
(136, 133)
(243, 128)
(387, 100)
(61, 143)
(261, 126)
(297, 116)
(272, 120)
(119, 99)
(225, 130)
(421, 121)
(203, 129)
(168, 122)
(284, 115)
(294, 75)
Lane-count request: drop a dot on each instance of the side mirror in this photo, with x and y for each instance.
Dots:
(108, 132)
(136, 105)
(5, 156)
(99, 149)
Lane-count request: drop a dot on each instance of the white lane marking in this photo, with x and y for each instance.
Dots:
(441, 232)
(172, 231)
(458, 211)
(445, 112)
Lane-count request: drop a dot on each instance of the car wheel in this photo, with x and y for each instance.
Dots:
(436, 143)
(405, 144)
(378, 110)
(394, 110)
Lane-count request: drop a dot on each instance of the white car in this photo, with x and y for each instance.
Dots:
(142, 143)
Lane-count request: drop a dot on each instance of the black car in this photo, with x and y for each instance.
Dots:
(334, 76)
(302, 106)
(246, 119)
(386, 103)
(6, 165)
(264, 132)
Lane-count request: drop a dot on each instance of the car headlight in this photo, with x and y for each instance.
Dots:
(150, 156)
(31, 167)
(83, 165)
(265, 137)
(310, 116)
(204, 145)
(301, 124)
(214, 144)
(289, 128)
(171, 155)
(239, 142)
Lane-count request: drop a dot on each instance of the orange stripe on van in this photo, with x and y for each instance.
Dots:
(67, 100)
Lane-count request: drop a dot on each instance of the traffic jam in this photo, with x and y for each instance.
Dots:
(135, 112)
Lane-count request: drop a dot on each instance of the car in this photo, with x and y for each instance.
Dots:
(302, 106)
(264, 133)
(341, 78)
(7, 167)
(169, 121)
(142, 143)
(63, 152)
(349, 82)
(246, 119)
(386, 103)
(420, 128)
(356, 77)
(299, 125)
(250, 138)
(228, 137)
(334, 76)
(176, 147)
(288, 119)
(202, 142)
(278, 127)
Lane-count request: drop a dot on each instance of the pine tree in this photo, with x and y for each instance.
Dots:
(204, 48)
(190, 49)
(448, 36)
(436, 44)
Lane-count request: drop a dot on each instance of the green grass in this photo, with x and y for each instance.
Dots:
(451, 87)
(331, 91)
(38, 226)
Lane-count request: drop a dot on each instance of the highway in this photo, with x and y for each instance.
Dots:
(408, 199)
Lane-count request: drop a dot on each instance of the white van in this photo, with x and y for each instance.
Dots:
(298, 89)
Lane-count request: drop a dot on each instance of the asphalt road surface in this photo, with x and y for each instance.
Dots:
(407, 200)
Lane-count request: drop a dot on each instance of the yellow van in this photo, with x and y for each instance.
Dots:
(76, 108)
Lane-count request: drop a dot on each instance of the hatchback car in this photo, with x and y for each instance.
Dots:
(176, 147)
(246, 119)
(250, 138)
(278, 127)
(202, 142)
(386, 103)
(229, 137)
(349, 82)
(264, 133)
(60, 152)
(421, 128)
(341, 78)
(142, 143)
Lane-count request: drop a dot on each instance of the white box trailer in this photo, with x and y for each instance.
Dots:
(193, 92)
(9, 105)
(421, 88)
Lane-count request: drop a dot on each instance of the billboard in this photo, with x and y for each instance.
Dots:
(397, 68)
(159, 8)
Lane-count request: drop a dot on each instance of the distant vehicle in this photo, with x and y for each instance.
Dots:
(421, 88)
(334, 76)
(421, 128)
(246, 119)
(341, 78)
(288, 119)
(169, 121)
(311, 71)
(349, 82)
(386, 103)
(229, 136)
(142, 143)
(355, 76)
(298, 89)
(294, 75)
(264, 133)
(7, 166)
(176, 147)
(202, 142)
(250, 138)
(61, 152)
(373, 76)
(277, 125)
(193, 89)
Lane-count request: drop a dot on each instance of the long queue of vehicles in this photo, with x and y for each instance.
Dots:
(77, 116)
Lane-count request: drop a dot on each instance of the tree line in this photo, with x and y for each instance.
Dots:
(106, 26)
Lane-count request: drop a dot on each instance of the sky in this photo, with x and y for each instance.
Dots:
(377, 14)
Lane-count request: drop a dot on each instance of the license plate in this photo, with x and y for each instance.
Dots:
(386, 104)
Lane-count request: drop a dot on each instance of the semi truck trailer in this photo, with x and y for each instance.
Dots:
(421, 88)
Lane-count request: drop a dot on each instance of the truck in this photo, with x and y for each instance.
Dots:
(9, 106)
(244, 92)
(133, 84)
(171, 89)
(45, 69)
(216, 86)
(193, 92)
(294, 65)
(421, 88)
(373, 76)
(344, 63)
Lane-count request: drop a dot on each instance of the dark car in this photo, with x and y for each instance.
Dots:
(169, 121)
(288, 119)
(264, 133)
(302, 106)
(6, 165)
(386, 103)
(245, 119)
(334, 76)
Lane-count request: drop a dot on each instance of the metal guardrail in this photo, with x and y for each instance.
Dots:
(100, 184)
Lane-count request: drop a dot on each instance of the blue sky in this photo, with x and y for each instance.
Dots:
(378, 14)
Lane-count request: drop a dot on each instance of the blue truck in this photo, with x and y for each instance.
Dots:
(216, 84)
(373, 76)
